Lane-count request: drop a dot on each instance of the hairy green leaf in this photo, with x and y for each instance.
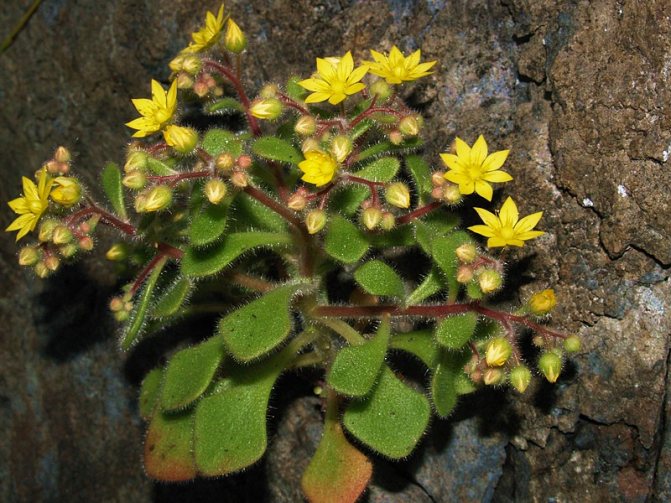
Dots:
(377, 278)
(172, 298)
(444, 255)
(168, 447)
(344, 241)
(247, 212)
(224, 105)
(445, 379)
(455, 331)
(149, 392)
(380, 170)
(347, 199)
(207, 261)
(419, 343)
(356, 368)
(421, 174)
(189, 373)
(428, 287)
(159, 167)
(276, 149)
(111, 180)
(209, 223)
(219, 141)
(386, 147)
(391, 419)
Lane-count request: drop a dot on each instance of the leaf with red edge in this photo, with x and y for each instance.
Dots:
(168, 448)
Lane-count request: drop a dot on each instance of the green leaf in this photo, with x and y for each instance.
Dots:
(260, 326)
(361, 128)
(248, 213)
(424, 237)
(444, 255)
(398, 236)
(338, 472)
(168, 447)
(419, 343)
(276, 149)
(133, 328)
(149, 392)
(219, 141)
(111, 179)
(230, 431)
(473, 291)
(344, 241)
(455, 331)
(295, 91)
(209, 223)
(431, 285)
(224, 105)
(159, 167)
(421, 174)
(172, 298)
(377, 278)
(347, 199)
(356, 368)
(386, 147)
(380, 170)
(391, 419)
(445, 378)
(189, 373)
(199, 262)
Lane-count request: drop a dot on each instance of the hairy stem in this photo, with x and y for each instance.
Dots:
(418, 212)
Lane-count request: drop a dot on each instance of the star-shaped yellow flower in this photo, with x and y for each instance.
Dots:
(156, 112)
(472, 169)
(334, 81)
(32, 205)
(396, 68)
(319, 167)
(209, 34)
(507, 228)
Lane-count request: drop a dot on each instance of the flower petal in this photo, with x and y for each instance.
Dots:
(21, 222)
(483, 230)
(495, 161)
(326, 69)
(463, 150)
(354, 88)
(357, 74)
(144, 106)
(525, 236)
(317, 97)
(496, 242)
(316, 85)
(479, 151)
(467, 187)
(19, 205)
(345, 66)
(496, 176)
(171, 97)
(458, 177)
(509, 214)
(452, 162)
(158, 94)
(337, 98)
(489, 218)
(484, 189)
(527, 223)
(30, 190)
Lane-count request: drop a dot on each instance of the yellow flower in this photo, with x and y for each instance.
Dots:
(319, 168)
(32, 205)
(208, 35)
(334, 80)
(182, 139)
(397, 68)
(472, 169)
(507, 228)
(156, 112)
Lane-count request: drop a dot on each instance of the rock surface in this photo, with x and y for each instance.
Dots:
(579, 89)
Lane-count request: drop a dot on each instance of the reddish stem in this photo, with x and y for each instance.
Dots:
(372, 110)
(291, 103)
(175, 179)
(363, 181)
(105, 217)
(419, 212)
(144, 273)
(268, 201)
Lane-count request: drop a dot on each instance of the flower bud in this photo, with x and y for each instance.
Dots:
(116, 304)
(438, 179)
(381, 89)
(437, 193)
(538, 341)
(240, 179)
(61, 235)
(200, 88)
(489, 281)
(371, 217)
(184, 81)
(121, 316)
(466, 253)
(136, 161)
(315, 221)
(520, 378)
(55, 167)
(396, 137)
(310, 145)
(52, 262)
(224, 162)
(156, 199)
(451, 194)
(191, 64)
(182, 139)
(464, 274)
(572, 344)
(409, 125)
(388, 221)
(297, 201)
(46, 231)
(135, 180)
(498, 351)
(234, 40)
(542, 303)
(397, 194)
(29, 256)
(550, 366)
(305, 126)
(117, 252)
(269, 91)
(62, 154)
(244, 161)
(41, 270)
(86, 243)
(341, 147)
(68, 250)
(67, 191)
(492, 377)
(266, 109)
(215, 190)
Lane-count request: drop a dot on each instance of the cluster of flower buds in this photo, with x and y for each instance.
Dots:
(267, 106)
(480, 274)
(235, 169)
(59, 164)
(445, 191)
(206, 84)
(373, 217)
(121, 307)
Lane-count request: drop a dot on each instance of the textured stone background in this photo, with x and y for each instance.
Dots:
(580, 89)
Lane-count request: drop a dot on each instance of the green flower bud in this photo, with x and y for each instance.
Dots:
(66, 192)
(266, 109)
(451, 194)
(489, 281)
(305, 126)
(542, 303)
(46, 231)
(341, 147)
(234, 39)
(29, 256)
(492, 377)
(156, 199)
(240, 179)
(182, 139)
(310, 145)
(41, 270)
(68, 250)
(224, 162)
(550, 366)
(215, 190)
(388, 221)
(371, 217)
(520, 378)
(184, 81)
(498, 351)
(381, 89)
(191, 64)
(397, 194)
(52, 262)
(135, 180)
(464, 274)
(315, 221)
(269, 91)
(396, 137)
(61, 235)
(62, 154)
(409, 125)
(136, 161)
(297, 201)
(572, 344)
(466, 253)
(86, 243)
(117, 252)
